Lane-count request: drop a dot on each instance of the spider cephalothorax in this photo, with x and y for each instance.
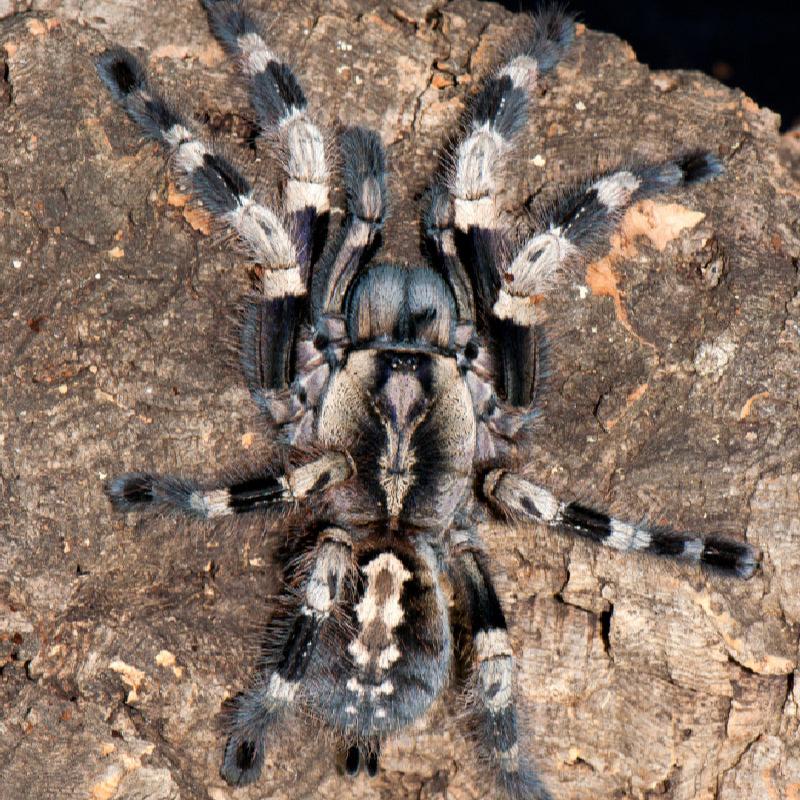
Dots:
(401, 395)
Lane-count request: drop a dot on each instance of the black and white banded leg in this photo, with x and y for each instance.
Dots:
(274, 493)
(211, 178)
(269, 331)
(523, 500)
(494, 713)
(275, 241)
(438, 235)
(494, 122)
(364, 174)
(466, 237)
(280, 683)
(282, 110)
(577, 229)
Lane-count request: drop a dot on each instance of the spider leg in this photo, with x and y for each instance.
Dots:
(273, 493)
(269, 331)
(576, 230)
(282, 111)
(364, 173)
(462, 227)
(273, 313)
(520, 499)
(470, 222)
(280, 684)
(211, 178)
(494, 714)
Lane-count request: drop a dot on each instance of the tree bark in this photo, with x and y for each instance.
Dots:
(673, 395)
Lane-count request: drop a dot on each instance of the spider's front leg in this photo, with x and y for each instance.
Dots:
(280, 681)
(463, 227)
(280, 243)
(518, 498)
(494, 714)
(269, 332)
(272, 492)
(282, 111)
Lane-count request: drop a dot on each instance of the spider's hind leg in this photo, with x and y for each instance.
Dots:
(280, 684)
(493, 714)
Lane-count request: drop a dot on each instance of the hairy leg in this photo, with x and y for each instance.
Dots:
(211, 178)
(272, 493)
(494, 714)
(523, 500)
(494, 122)
(279, 686)
(282, 110)
(462, 228)
(577, 229)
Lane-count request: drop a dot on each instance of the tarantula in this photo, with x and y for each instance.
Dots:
(401, 396)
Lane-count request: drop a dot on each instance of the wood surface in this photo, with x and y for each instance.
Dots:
(673, 397)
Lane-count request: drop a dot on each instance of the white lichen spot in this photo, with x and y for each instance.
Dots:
(165, 659)
(713, 357)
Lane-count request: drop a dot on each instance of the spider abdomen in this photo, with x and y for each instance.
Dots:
(396, 634)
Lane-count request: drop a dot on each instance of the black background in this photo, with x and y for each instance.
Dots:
(753, 46)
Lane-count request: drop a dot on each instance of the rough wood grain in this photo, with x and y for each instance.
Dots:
(674, 395)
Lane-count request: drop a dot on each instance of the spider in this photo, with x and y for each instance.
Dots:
(401, 397)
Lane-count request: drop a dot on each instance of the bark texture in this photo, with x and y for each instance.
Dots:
(673, 396)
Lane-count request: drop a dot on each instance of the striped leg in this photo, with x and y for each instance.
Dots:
(495, 716)
(272, 240)
(470, 231)
(283, 116)
(278, 685)
(136, 491)
(366, 199)
(214, 181)
(578, 228)
(518, 498)
(495, 121)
